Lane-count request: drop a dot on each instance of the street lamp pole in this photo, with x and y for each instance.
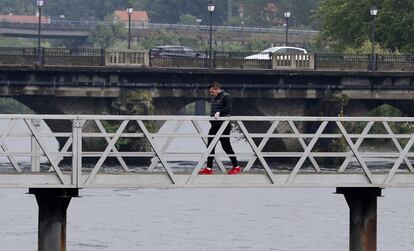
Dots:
(374, 12)
(39, 4)
(130, 10)
(287, 14)
(211, 8)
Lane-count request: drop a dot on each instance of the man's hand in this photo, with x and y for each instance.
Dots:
(217, 115)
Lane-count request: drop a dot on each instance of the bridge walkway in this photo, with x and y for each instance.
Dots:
(90, 151)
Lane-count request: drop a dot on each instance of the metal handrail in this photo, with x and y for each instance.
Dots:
(109, 130)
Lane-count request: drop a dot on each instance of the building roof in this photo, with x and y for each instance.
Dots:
(22, 19)
(136, 16)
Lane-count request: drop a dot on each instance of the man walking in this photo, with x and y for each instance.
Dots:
(220, 107)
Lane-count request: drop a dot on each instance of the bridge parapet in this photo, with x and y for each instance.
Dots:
(202, 60)
(133, 58)
(356, 164)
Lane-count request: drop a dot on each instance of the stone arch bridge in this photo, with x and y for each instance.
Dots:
(164, 91)
(105, 90)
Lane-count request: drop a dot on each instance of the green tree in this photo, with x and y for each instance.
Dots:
(106, 36)
(160, 38)
(11, 106)
(395, 25)
(83, 10)
(17, 42)
(167, 11)
(268, 13)
(347, 23)
(260, 13)
(188, 19)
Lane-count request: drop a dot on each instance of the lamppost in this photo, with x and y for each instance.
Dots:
(129, 11)
(211, 8)
(374, 12)
(241, 13)
(39, 5)
(287, 14)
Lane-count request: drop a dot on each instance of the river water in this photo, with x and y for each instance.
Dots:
(207, 219)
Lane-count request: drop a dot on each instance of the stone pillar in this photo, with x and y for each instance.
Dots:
(362, 204)
(53, 203)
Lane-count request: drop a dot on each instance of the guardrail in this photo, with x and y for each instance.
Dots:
(88, 25)
(202, 59)
(102, 140)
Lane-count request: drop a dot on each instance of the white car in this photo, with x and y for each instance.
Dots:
(265, 55)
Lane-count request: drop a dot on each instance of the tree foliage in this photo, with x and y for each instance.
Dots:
(188, 19)
(12, 106)
(259, 13)
(347, 23)
(105, 36)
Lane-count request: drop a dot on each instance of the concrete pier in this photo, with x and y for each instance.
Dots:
(362, 204)
(53, 203)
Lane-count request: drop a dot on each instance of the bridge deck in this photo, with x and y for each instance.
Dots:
(145, 180)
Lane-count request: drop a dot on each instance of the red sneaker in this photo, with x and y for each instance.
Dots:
(206, 171)
(235, 170)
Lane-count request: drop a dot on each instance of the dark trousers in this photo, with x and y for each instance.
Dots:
(225, 143)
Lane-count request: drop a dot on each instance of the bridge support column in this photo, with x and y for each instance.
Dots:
(362, 204)
(53, 203)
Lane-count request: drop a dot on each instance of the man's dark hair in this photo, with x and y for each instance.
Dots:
(215, 84)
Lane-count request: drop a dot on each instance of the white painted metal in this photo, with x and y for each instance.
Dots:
(357, 144)
(200, 131)
(154, 161)
(45, 150)
(357, 169)
(397, 144)
(262, 144)
(4, 148)
(256, 151)
(35, 148)
(108, 140)
(213, 142)
(303, 144)
(157, 152)
(111, 145)
(355, 151)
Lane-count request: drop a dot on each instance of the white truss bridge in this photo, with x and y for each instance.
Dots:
(330, 152)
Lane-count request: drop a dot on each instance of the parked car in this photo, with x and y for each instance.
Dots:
(265, 55)
(175, 51)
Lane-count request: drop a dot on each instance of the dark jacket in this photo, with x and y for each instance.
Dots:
(222, 104)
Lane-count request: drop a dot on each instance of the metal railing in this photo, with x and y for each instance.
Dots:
(178, 58)
(342, 61)
(202, 59)
(96, 151)
(61, 56)
(52, 56)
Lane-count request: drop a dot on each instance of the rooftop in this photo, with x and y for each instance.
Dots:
(136, 16)
(22, 19)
